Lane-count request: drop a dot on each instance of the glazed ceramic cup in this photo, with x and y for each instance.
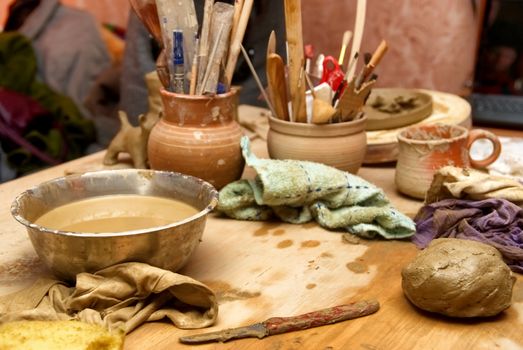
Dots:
(340, 145)
(426, 148)
(198, 136)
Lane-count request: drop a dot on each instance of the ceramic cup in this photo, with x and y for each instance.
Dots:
(340, 145)
(426, 148)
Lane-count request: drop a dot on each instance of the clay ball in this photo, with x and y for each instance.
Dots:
(459, 278)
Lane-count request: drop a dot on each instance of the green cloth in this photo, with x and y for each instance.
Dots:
(300, 191)
(68, 131)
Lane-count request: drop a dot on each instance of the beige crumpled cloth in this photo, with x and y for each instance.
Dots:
(123, 297)
(453, 182)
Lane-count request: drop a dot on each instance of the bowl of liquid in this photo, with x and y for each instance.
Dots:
(86, 222)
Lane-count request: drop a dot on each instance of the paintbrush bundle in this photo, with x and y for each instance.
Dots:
(343, 94)
(196, 59)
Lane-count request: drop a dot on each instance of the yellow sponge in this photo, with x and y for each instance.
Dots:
(57, 335)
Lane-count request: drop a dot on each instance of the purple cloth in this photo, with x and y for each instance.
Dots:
(496, 222)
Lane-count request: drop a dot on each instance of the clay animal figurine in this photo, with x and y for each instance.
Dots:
(131, 139)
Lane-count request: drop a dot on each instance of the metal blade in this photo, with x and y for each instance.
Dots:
(256, 330)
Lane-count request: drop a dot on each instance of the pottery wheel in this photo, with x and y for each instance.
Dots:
(393, 108)
(382, 145)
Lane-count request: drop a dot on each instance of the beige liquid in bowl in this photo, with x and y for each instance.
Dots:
(116, 213)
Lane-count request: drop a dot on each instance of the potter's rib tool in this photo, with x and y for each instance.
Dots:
(344, 43)
(236, 41)
(257, 79)
(293, 25)
(280, 325)
(358, 34)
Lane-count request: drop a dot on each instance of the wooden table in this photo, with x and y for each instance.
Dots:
(259, 270)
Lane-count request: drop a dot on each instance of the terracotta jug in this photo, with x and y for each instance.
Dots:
(198, 136)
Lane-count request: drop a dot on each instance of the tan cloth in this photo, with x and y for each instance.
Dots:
(452, 182)
(119, 297)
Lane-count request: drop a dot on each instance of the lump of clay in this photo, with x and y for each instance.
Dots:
(459, 278)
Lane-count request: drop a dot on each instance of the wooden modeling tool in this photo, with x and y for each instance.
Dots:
(271, 44)
(374, 61)
(344, 43)
(358, 34)
(204, 43)
(293, 25)
(238, 5)
(257, 79)
(322, 111)
(277, 85)
(236, 41)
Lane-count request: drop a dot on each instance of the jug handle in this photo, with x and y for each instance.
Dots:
(477, 134)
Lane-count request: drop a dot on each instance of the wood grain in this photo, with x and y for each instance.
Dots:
(264, 269)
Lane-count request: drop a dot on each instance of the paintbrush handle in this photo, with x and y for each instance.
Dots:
(234, 49)
(279, 325)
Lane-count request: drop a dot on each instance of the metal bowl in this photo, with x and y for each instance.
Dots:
(69, 253)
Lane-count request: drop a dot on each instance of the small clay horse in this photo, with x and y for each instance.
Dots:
(131, 139)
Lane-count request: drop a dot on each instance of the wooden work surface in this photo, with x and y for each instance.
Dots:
(259, 270)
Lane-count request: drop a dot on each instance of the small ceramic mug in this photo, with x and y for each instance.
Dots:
(426, 148)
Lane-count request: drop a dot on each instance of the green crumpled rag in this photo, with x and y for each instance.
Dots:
(299, 191)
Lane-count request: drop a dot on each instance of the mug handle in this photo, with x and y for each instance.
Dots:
(476, 134)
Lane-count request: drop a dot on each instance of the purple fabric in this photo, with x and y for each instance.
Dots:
(496, 222)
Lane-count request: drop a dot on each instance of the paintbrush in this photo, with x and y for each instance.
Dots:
(236, 41)
(344, 43)
(374, 61)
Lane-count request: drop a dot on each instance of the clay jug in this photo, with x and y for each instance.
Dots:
(198, 136)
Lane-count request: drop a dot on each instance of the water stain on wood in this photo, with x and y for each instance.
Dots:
(284, 244)
(357, 267)
(310, 244)
(278, 232)
(311, 286)
(226, 293)
(265, 228)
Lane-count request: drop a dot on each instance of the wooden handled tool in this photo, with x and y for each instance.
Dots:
(344, 43)
(374, 61)
(236, 41)
(358, 34)
(280, 325)
(277, 85)
(293, 25)
(204, 43)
